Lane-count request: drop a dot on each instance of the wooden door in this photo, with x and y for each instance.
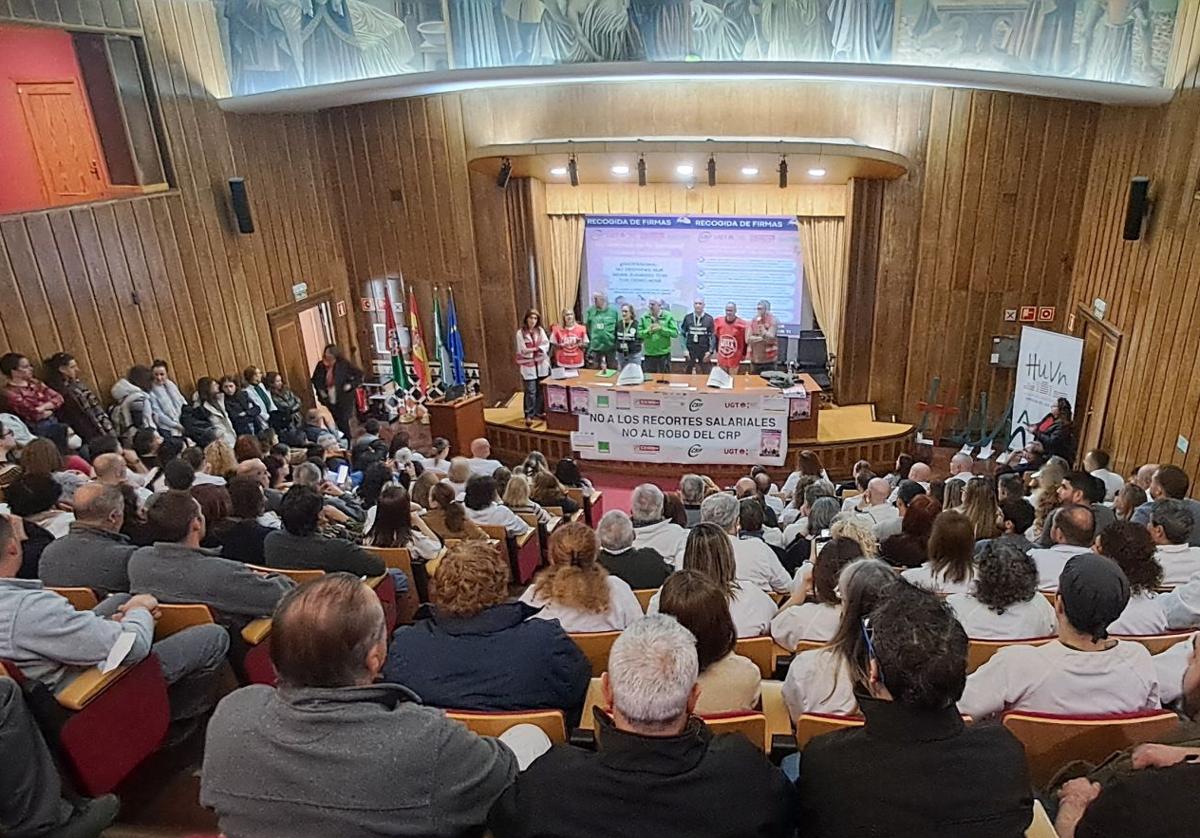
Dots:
(1101, 343)
(300, 332)
(289, 347)
(64, 140)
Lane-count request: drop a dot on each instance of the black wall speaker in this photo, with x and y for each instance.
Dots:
(241, 204)
(1137, 209)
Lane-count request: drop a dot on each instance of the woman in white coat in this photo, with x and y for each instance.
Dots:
(533, 359)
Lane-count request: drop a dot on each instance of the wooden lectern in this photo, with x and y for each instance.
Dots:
(459, 421)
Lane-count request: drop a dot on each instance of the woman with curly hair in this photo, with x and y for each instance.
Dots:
(860, 529)
(980, 507)
(478, 650)
(222, 462)
(576, 590)
(1130, 546)
(1045, 500)
(1005, 604)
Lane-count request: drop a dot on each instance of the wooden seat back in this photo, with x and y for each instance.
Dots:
(596, 646)
(980, 652)
(297, 575)
(175, 618)
(752, 725)
(84, 599)
(644, 595)
(760, 650)
(494, 724)
(1156, 643)
(810, 725)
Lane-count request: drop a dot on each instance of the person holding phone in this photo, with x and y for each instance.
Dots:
(657, 328)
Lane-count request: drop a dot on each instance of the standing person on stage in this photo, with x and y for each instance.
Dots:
(657, 329)
(533, 358)
(570, 339)
(697, 331)
(335, 379)
(730, 332)
(601, 323)
(764, 345)
(629, 343)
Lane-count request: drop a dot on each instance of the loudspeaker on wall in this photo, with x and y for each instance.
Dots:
(1137, 209)
(241, 204)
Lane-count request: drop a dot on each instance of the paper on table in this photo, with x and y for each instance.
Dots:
(985, 453)
(720, 379)
(118, 652)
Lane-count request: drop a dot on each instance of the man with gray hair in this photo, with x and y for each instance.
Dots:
(651, 530)
(762, 338)
(757, 564)
(657, 770)
(94, 553)
(309, 474)
(1170, 526)
(960, 467)
(642, 568)
(691, 491)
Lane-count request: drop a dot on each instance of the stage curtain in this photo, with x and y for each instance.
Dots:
(559, 286)
(822, 242)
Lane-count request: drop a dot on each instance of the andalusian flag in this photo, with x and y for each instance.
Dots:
(420, 359)
(443, 355)
(395, 346)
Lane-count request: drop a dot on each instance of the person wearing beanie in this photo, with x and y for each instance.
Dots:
(1083, 671)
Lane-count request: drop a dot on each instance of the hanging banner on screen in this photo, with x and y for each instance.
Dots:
(680, 258)
(1047, 370)
(683, 427)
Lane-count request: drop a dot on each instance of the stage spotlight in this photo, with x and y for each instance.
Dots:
(712, 170)
(685, 169)
(749, 171)
(558, 171)
(641, 170)
(505, 173)
(573, 170)
(816, 172)
(620, 170)
(783, 172)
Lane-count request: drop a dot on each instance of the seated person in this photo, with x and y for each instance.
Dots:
(727, 680)
(93, 554)
(332, 752)
(53, 643)
(1151, 803)
(951, 565)
(1131, 547)
(447, 517)
(910, 547)
(481, 461)
(568, 474)
(396, 526)
(299, 544)
(818, 519)
(814, 610)
(657, 770)
(914, 741)
(458, 474)
(1005, 603)
(691, 492)
(516, 498)
(243, 538)
(709, 551)
(1170, 528)
(641, 568)
(906, 491)
(31, 791)
(480, 651)
(177, 569)
(576, 590)
(1072, 532)
(651, 530)
(38, 500)
(112, 470)
(757, 564)
(824, 680)
(1016, 517)
(1084, 670)
(483, 507)
(311, 475)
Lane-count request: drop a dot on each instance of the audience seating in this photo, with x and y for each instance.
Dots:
(1156, 643)
(543, 532)
(592, 506)
(256, 665)
(494, 724)
(808, 646)
(1052, 741)
(762, 651)
(109, 723)
(749, 723)
(595, 646)
(779, 719)
(524, 554)
(811, 725)
(593, 699)
(400, 558)
(295, 574)
(1042, 826)
(980, 652)
(644, 595)
(84, 599)
(557, 513)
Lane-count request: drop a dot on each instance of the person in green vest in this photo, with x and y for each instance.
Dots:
(601, 323)
(656, 329)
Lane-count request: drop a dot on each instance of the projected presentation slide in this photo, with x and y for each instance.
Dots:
(636, 258)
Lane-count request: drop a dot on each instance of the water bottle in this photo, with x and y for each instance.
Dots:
(603, 363)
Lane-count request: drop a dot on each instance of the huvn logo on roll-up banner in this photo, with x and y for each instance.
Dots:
(1047, 370)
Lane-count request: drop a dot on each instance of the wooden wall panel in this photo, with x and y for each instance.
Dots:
(1150, 286)
(166, 275)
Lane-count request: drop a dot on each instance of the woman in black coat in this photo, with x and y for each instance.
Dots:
(1055, 433)
(335, 379)
(243, 413)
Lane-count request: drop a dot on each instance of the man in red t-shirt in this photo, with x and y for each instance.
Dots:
(731, 339)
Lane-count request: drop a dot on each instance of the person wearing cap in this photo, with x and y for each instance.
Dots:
(1084, 671)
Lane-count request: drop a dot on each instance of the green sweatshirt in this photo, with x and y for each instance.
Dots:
(601, 328)
(657, 343)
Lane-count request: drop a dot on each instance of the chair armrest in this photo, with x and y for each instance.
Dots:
(552, 523)
(523, 539)
(372, 582)
(256, 631)
(779, 720)
(88, 685)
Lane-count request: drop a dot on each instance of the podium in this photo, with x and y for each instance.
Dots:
(459, 421)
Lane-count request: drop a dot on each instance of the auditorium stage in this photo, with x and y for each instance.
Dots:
(844, 436)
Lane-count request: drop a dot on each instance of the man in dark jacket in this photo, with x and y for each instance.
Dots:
(915, 768)
(697, 331)
(641, 568)
(656, 770)
(93, 554)
(299, 545)
(479, 652)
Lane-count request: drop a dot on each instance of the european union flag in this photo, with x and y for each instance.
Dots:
(454, 344)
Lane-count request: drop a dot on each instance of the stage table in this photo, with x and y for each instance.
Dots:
(798, 430)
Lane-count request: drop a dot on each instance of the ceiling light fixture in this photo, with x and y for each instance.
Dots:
(558, 171)
(685, 169)
(816, 171)
(749, 171)
(620, 170)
